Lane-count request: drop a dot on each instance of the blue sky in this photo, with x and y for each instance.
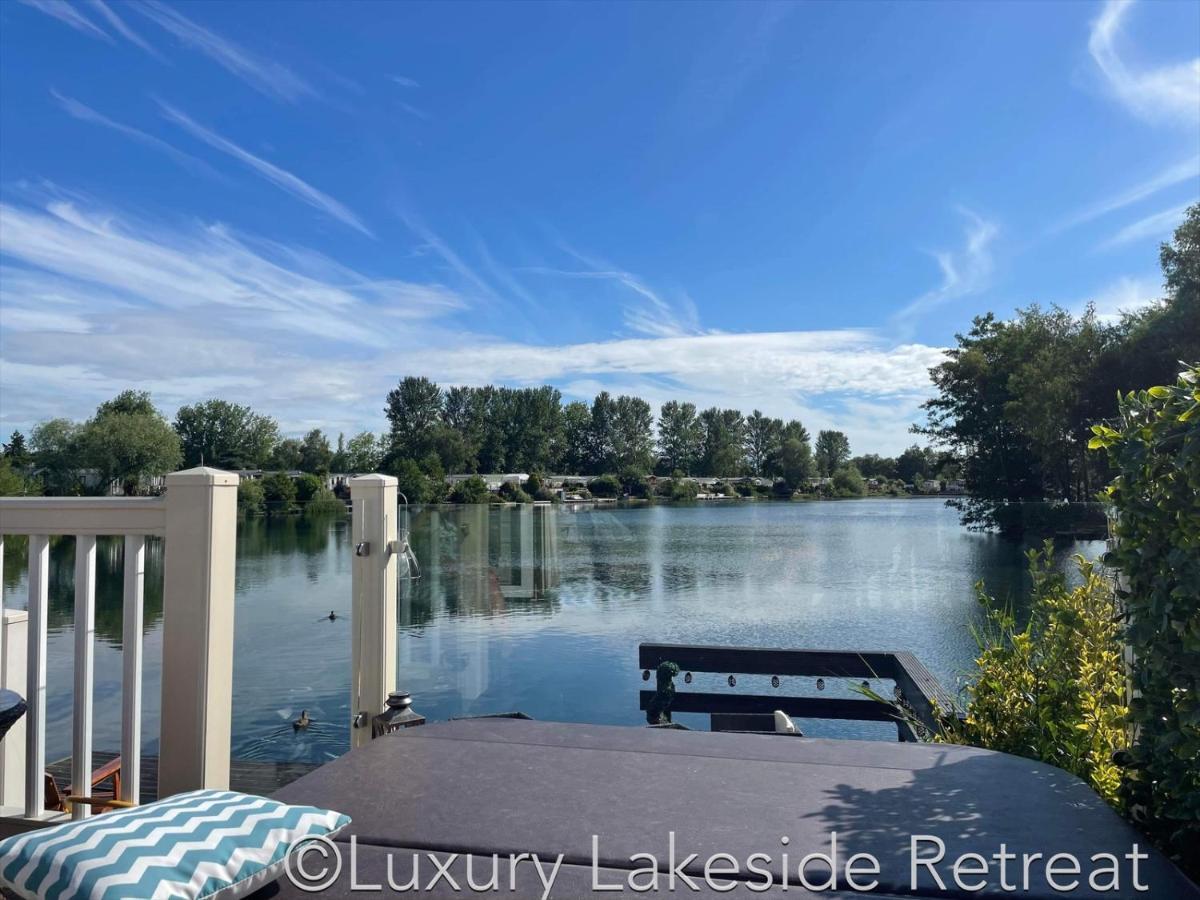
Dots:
(791, 207)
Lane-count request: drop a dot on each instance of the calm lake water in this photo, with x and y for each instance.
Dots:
(542, 609)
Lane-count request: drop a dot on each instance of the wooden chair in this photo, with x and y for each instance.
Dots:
(100, 801)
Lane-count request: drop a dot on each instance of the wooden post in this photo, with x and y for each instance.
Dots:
(373, 602)
(197, 642)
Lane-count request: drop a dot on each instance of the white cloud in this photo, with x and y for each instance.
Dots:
(69, 14)
(1158, 226)
(405, 81)
(964, 272)
(1168, 93)
(91, 303)
(1188, 170)
(86, 114)
(264, 75)
(118, 24)
(1124, 295)
(281, 178)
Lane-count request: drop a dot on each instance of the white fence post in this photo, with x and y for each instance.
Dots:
(373, 609)
(14, 637)
(197, 643)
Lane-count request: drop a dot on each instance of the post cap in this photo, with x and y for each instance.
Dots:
(373, 481)
(202, 475)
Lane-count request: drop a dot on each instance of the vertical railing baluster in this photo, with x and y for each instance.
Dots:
(131, 667)
(85, 629)
(35, 684)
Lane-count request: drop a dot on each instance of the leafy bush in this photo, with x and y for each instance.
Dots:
(744, 489)
(1155, 450)
(307, 487)
(324, 503)
(470, 490)
(513, 492)
(605, 486)
(634, 482)
(279, 493)
(678, 488)
(783, 490)
(251, 499)
(15, 484)
(1053, 689)
(848, 482)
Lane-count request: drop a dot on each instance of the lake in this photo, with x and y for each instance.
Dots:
(542, 609)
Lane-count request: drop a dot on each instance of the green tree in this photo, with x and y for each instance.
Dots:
(16, 452)
(470, 490)
(14, 484)
(129, 440)
(602, 451)
(364, 453)
(315, 453)
(764, 437)
(411, 481)
(848, 482)
(913, 464)
(414, 408)
(225, 435)
(721, 448)
(279, 493)
(307, 486)
(872, 465)
(57, 455)
(251, 499)
(680, 438)
(632, 434)
(574, 456)
(287, 455)
(605, 486)
(831, 452)
(795, 463)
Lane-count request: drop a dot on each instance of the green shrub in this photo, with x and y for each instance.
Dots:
(411, 481)
(251, 499)
(1155, 450)
(678, 488)
(470, 490)
(307, 487)
(513, 493)
(605, 486)
(1053, 689)
(782, 490)
(279, 493)
(634, 482)
(848, 482)
(324, 503)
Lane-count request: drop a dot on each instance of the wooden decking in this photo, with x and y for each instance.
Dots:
(247, 776)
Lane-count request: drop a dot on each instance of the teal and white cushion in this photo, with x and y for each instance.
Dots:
(202, 844)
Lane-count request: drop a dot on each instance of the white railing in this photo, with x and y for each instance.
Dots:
(197, 517)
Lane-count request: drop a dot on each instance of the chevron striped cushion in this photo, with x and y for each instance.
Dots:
(203, 844)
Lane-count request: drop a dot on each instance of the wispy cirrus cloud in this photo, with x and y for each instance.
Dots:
(404, 81)
(85, 113)
(964, 272)
(94, 301)
(1179, 173)
(652, 315)
(281, 178)
(1124, 295)
(266, 76)
(1167, 93)
(109, 15)
(1159, 226)
(69, 14)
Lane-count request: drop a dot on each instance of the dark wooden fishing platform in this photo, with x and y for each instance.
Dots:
(250, 776)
